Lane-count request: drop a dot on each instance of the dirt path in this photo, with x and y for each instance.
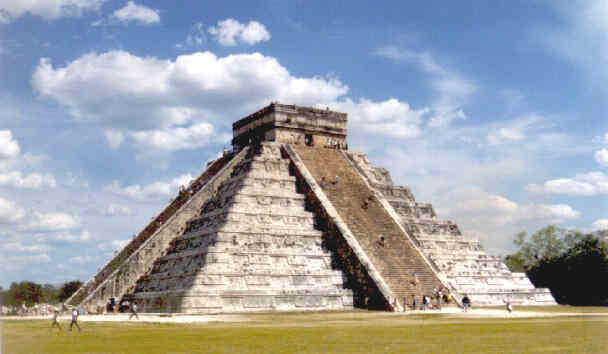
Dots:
(234, 318)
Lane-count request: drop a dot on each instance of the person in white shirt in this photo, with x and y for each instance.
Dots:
(134, 310)
(74, 319)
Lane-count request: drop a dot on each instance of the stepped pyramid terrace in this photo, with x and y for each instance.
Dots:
(290, 219)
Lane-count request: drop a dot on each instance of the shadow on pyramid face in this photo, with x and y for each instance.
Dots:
(356, 278)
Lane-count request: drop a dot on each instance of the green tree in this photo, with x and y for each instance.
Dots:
(546, 243)
(576, 277)
(50, 293)
(67, 289)
(515, 262)
(24, 292)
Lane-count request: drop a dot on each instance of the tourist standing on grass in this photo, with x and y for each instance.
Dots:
(466, 303)
(414, 302)
(134, 311)
(74, 319)
(55, 321)
(439, 298)
(509, 307)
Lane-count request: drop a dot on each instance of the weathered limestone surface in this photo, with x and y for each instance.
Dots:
(291, 124)
(460, 261)
(252, 246)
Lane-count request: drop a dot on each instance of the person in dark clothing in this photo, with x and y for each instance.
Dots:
(413, 302)
(466, 303)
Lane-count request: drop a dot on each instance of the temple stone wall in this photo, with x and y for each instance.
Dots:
(291, 124)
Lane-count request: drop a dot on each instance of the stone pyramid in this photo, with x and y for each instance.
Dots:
(292, 220)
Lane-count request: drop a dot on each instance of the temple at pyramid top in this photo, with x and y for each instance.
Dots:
(291, 124)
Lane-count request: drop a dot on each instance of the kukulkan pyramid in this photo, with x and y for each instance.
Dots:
(290, 219)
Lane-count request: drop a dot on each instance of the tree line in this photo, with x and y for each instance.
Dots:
(573, 265)
(31, 293)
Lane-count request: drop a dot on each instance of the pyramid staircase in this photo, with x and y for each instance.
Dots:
(461, 262)
(399, 264)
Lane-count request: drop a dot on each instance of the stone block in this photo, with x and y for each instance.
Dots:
(256, 301)
(309, 301)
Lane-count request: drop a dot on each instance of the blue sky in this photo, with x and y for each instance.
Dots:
(493, 111)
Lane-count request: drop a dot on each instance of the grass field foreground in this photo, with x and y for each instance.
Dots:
(348, 332)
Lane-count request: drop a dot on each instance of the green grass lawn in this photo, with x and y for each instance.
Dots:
(347, 332)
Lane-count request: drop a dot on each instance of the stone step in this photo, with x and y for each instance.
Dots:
(304, 220)
(226, 235)
(248, 229)
(247, 292)
(366, 218)
(259, 248)
(247, 207)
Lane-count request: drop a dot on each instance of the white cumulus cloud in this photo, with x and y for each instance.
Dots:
(9, 147)
(231, 32)
(31, 181)
(582, 184)
(113, 245)
(17, 246)
(170, 99)
(117, 210)
(47, 9)
(10, 213)
(600, 224)
(494, 218)
(56, 221)
(390, 117)
(133, 12)
(80, 260)
(81, 236)
(500, 210)
(151, 191)
(194, 136)
(601, 157)
(114, 138)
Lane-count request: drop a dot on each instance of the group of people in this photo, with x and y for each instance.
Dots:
(433, 302)
(438, 298)
(75, 313)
